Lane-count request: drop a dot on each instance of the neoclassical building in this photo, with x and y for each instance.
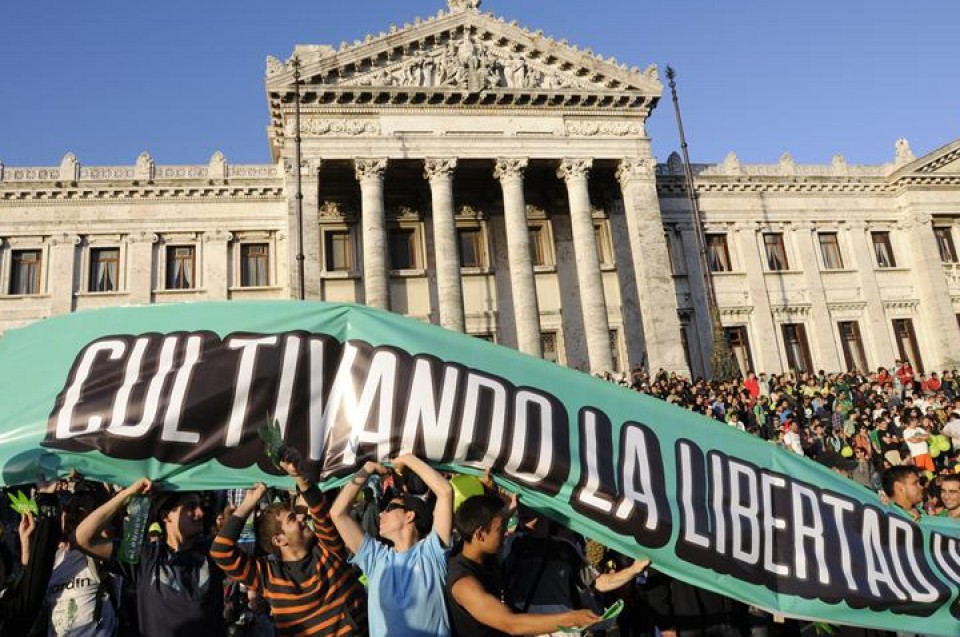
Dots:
(467, 171)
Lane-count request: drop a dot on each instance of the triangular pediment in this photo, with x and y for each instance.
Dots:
(462, 49)
(943, 161)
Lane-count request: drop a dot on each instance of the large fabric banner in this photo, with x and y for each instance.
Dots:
(178, 393)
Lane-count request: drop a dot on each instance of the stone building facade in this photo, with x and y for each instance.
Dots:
(466, 171)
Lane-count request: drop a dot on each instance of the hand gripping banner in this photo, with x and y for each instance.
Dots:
(178, 393)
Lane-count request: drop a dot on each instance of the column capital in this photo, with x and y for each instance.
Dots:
(635, 168)
(512, 168)
(439, 168)
(370, 168)
(574, 168)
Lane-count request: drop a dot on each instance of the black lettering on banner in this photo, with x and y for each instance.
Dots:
(946, 554)
(792, 537)
(626, 493)
(189, 397)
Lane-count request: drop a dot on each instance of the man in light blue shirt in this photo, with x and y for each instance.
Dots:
(405, 582)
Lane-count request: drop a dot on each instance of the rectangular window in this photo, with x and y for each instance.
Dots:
(615, 350)
(798, 351)
(539, 252)
(883, 250)
(104, 270)
(181, 268)
(830, 251)
(254, 265)
(907, 346)
(548, 343)
(404, 252)
(604, 250)
(25, 272)
(853, 353)
(948, 253)
(776, 254)
(718, 256)
(471, 247)
(338, 250)
(739, 345)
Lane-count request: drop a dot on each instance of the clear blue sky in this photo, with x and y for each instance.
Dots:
(110, 78)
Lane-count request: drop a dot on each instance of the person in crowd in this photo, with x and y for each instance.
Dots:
(304, 575)
(23, 592)
(916, 438)
(950, 496)
(178, 589)
(405, 579)
(902, 486)
(474, 588)
(684, 610)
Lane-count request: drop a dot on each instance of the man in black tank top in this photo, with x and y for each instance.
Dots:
(474, 587)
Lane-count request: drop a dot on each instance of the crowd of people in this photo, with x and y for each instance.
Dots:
(860, 423)
(401, 551)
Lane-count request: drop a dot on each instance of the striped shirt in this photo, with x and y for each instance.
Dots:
(329, 602)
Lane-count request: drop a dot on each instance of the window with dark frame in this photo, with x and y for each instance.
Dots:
(471, 247)
(883, 250)
(254, 265)
(604, 252)
(25, 272)
(548, 344)
(775, 251)
(181, 268)
(948, 252)
(797, 348)
(830, 251)
(104, 270)
(854, 356)
(718, 255)
(338, 250)
(615, 350)
(539, 252)
(739, 344)
(907, 346)
(404, 253)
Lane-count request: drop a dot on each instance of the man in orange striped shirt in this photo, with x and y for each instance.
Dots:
(310, 586)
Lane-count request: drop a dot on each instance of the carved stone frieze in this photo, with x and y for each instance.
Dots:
(510, 168)
(64, 238)
(69, 168)
(439, 168)
(370, 168)
(142, 237)
(334, 211)
(535, 212)
(468, 212)
(404, 213)
(574, 168)
(218, 236)
(335, 127)
(274, 66)
(604, 129)
(791, 311)
(217, 168)
(145, 168)
(463, 5)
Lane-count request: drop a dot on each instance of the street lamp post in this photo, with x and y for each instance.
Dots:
(723, 366)
(301, 293)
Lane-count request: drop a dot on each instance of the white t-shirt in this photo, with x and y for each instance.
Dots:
(72, 598)
(916, 448)
(792, 442)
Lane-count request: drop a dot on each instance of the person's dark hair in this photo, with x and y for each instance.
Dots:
(950, 477)
(166, 502)
(895, 474)
(79, 506)
(268, 525)
(477, 513)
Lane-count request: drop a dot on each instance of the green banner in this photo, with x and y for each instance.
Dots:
(178, 393)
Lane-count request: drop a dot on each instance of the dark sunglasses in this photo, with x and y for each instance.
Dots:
(393, 506)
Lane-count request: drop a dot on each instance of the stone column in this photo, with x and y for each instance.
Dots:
(820, 329)
(648, 249)
(700, 322)
(592, 301)
(439, 172)
(312, 265)
(874, 326)
(216, 263)
(140, 275)
(938, 328)
(522, 282)
(376, 284)
(60, 274)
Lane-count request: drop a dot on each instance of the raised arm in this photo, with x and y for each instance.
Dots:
(606, 582)
(443, 509)
(348, 528)
(488, 610)
(235, 563)
(89, 534)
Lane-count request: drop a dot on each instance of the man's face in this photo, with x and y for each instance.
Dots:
(491, 539)
(910, 490)
(187, 517)
(950, 494)
(293, 527)
(393, 517)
